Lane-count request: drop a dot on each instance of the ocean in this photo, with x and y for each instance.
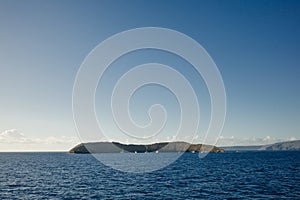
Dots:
(238, 175)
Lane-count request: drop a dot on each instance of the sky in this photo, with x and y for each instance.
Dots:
(255, 44)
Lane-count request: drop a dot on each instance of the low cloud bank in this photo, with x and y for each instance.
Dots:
(11, 140)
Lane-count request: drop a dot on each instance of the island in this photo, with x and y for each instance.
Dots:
(280, 146)
(116, 147)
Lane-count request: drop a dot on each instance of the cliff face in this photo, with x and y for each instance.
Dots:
(292, 145)
(281, 146)
(115, 147)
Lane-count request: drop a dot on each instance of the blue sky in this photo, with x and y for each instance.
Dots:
(255, 44)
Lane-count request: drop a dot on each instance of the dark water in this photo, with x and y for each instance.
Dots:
(242, 175)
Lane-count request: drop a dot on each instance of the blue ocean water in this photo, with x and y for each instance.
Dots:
(241, 175)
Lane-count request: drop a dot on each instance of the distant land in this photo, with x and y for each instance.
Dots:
(115, 147)
(280, 146)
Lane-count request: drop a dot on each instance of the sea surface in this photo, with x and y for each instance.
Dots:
(238, 175)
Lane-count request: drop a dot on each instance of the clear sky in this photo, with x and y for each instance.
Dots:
(255, 44)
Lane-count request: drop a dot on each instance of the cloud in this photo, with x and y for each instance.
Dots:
(14, 136)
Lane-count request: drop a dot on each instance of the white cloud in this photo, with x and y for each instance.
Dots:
(13, 136)
(292, 138)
